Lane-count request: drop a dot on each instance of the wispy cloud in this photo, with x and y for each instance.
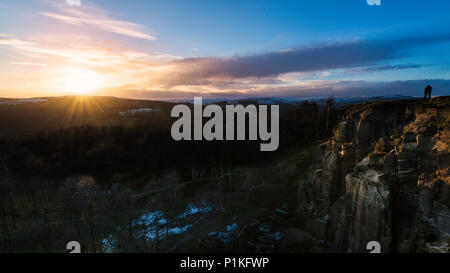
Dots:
(88, 55)
(93, 16)
(307, 90)
(380, 68)
(28, 64)
(15, 42)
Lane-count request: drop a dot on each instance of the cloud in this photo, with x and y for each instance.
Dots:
(285, 50)
(345, 55)
(119, 64)
(89, 55)
(15, 42)
(316, 89)
(95, 17)
(380, 68)
(293, 72)
(29, 64)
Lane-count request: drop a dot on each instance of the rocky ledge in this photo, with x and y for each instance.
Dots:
(382, 176)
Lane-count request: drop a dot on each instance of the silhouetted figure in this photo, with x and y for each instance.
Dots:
(427, 92)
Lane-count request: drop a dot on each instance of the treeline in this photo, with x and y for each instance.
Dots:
(148, 146)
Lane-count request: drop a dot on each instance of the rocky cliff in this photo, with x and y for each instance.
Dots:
(382, 176)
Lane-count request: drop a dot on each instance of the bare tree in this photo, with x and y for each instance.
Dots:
(78, 196)
(165, 197)
(4, 225)
(44, 198)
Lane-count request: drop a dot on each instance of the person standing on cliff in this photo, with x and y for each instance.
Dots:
(427, 92)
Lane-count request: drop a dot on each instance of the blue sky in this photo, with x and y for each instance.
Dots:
(180, 48)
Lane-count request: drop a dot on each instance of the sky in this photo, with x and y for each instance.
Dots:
(177, 49)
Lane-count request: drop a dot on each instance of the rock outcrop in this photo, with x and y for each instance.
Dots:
(382, 176)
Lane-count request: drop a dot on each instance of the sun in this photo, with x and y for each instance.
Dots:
(81, 81)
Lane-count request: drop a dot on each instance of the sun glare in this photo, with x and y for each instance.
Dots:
(81, 82)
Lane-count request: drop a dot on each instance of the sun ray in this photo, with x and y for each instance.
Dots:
(82, 110)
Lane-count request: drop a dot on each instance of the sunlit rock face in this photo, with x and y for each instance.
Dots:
(382, 176)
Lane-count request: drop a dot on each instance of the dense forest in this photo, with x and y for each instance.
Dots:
(71, 180)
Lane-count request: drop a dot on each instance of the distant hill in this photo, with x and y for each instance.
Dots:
(339, 101)
(24, 116)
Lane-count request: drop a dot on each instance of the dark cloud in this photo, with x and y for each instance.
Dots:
(352, 54)
(380, 68)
